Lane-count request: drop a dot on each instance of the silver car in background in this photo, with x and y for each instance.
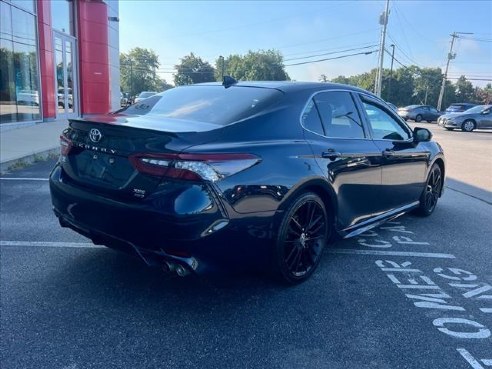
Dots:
(478, 117)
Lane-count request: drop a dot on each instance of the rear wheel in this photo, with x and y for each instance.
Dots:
(301, 239)
(468, 125)
(432, 191)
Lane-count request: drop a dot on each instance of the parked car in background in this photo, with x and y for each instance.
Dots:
(478, 117)
(61, 97)
(27, 97)
(392, 106)
(124, 99)
(210, 176)
(459, 107)
(144, 95)
(419, 113)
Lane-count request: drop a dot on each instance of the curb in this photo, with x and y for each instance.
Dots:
(26, 160)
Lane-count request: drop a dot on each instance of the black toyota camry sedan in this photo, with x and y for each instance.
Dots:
(242, 174)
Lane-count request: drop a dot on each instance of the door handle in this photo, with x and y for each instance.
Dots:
(388, 153)
(331, 154)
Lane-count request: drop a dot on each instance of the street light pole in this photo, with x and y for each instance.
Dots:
(451, 56)
(383, 20)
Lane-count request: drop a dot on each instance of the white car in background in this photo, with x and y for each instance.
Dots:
(143, 95)
(27, 97)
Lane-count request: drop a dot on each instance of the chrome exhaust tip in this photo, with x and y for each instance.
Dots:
(182, 271)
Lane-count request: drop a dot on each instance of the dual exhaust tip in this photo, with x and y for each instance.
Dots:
(169, 267)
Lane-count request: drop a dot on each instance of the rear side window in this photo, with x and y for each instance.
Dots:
(310, 119)
(211, 104)
(339, 115)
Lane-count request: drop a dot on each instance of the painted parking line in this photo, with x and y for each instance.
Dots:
(392, 253)
(49, 244)
(22, 179)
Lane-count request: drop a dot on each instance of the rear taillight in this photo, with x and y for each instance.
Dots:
(209, 167)
(65, 145)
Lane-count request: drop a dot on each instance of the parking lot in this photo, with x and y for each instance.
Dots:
(414, 293)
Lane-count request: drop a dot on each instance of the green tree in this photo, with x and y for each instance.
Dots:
(193, 69)
(484, 95)
(262, 65)
(464, 90)
(138, 71)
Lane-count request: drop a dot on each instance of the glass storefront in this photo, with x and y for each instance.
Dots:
(19, 73)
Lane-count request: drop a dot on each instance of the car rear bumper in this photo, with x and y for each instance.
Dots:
(201, 242)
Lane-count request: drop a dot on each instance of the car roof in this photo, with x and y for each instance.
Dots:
(288, 86)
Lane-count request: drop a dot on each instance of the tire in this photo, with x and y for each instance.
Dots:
(468, 125)
(302, 235)
(431, 193)
(418, 118)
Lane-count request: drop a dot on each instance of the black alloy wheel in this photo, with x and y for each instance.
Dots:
(302, 236)
(418, 118)
(468, 125)
(432, 191)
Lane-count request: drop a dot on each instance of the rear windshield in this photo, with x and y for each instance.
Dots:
(211, 104)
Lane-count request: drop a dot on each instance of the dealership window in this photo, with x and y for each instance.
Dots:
(19, 74)
(62, 16)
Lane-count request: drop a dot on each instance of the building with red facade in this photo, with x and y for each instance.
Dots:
(59, 59)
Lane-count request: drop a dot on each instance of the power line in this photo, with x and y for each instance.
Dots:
(336, 57)
(330, 53)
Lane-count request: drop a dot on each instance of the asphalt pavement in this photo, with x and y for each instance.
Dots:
(415, 293)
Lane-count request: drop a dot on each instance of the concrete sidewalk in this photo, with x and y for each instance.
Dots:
(28, 144)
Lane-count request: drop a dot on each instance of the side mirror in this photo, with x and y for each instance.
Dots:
(421, 134)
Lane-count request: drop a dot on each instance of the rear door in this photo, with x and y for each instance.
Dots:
(345, 153)
(404, 163)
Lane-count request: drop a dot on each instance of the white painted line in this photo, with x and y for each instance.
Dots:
(470, 359)
(23, 179)
(487, 362)
(486, 310)
(392, 253)
(49, 244)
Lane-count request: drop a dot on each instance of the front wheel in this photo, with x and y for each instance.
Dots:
(302, 236)
(418, 118)
(468, 125)
(432, 191)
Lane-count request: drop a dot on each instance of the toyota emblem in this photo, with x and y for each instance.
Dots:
(95, 135)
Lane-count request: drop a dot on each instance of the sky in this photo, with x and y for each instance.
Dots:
(420, 31)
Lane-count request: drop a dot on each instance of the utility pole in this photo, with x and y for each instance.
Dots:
(383, 20)
(451, 56)
(391, 71)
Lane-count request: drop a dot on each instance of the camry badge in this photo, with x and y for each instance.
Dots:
(95, 135)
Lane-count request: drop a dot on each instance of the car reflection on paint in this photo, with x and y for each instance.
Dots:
(238, 175)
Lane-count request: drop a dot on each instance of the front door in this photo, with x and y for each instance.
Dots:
(65, 72)
(404, 163)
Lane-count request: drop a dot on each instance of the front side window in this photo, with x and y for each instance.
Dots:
(383, 125)
(339, 115)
